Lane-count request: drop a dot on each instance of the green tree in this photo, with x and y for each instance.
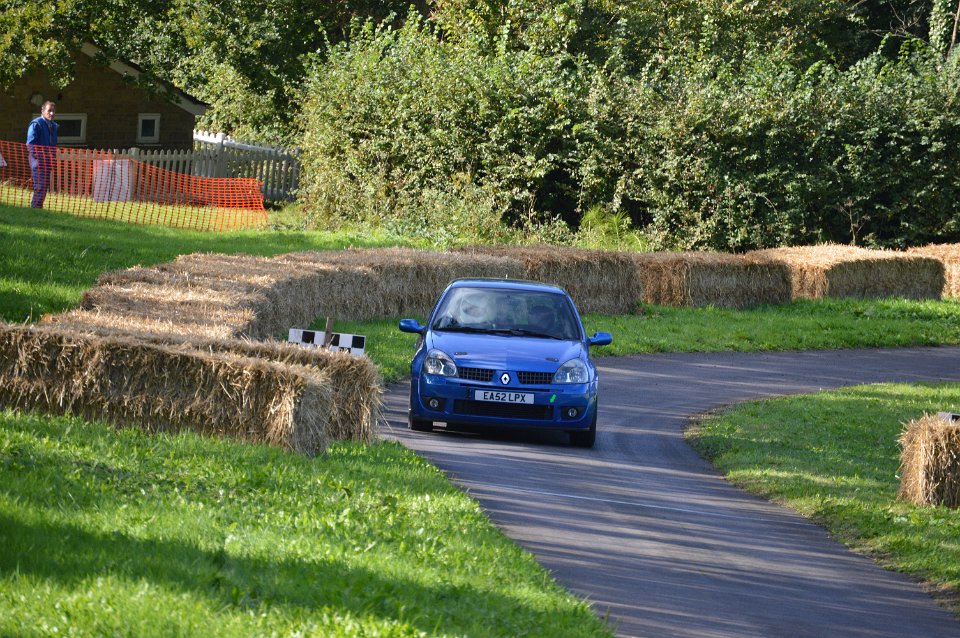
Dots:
(245, 57)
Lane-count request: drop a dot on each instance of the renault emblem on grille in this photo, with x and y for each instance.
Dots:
(504, 378)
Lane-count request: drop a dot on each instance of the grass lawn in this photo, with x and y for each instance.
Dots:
(107, 532)
(48, 259)
(833, 456)
(124, 533)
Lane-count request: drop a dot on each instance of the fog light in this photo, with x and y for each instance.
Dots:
(572, 413)
(433, 403)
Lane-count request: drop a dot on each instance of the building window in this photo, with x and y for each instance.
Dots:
(72, 128)
(148, 128)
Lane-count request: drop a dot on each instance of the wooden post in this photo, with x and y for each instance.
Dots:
(328, 333)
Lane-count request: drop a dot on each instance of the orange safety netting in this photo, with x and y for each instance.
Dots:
(104, 185)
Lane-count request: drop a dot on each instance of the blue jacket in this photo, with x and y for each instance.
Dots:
(40, 134)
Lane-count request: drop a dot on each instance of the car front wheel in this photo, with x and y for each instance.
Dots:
(419, 425)
(585, 438)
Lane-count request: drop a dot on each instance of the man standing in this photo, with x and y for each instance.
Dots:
(42, 142)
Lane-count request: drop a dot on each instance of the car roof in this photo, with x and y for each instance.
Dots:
(507, 284)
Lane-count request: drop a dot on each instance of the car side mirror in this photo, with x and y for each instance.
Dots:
(600, 339)
(412, 326)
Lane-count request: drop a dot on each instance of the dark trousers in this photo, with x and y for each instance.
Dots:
(41, 181)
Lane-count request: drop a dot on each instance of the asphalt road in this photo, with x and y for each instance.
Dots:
(659, 543)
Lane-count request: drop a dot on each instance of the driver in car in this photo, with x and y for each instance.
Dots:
(474, 309)
(543, 319)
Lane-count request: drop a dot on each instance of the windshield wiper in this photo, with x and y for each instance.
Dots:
(461, 329)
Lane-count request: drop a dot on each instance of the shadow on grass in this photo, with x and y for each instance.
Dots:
(42, 485)
(67, 555)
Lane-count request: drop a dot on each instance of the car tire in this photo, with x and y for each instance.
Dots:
(419, 425)
(585, 438)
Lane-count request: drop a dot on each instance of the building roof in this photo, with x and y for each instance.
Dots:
(182, 99)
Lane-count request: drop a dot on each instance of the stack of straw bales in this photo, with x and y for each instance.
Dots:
(385, 282)
(949, 256)
(832, 270)
(189, 296)
(194, 318)
(164, 388)
(598, 281)
(212, 305)
(718, 279)
(930, 461)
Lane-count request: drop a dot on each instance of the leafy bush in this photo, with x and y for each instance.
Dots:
(758, 153)
(398, 113)
(518, 114)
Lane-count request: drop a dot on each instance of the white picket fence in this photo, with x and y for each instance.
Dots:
(217, 155)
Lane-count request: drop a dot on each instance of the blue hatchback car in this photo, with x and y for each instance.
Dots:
(500, 352)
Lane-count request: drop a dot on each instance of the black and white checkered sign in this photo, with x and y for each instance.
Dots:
(354, 344)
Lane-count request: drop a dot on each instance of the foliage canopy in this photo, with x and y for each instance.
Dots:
(708, 123)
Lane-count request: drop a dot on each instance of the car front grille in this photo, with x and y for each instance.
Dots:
(535, 378)
(505, 410)
(485, 375)
(475, 374)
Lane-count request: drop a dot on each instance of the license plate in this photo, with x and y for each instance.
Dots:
(503, 397)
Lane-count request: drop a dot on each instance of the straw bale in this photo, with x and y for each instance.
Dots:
(354, 382)
(214, 295)
(160, 276)
(597, 280)
(387, 282)
(166, 309)
(129, 382)
(832, 270)
(146, 300)
(254, 271)
(121, 323)
(930, 462)
(949, 256)
(262, 298)
(705, 278)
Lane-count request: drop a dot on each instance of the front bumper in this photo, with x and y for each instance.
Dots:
(453, 400)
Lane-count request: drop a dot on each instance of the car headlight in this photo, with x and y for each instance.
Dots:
(573, 371)
(439, 362)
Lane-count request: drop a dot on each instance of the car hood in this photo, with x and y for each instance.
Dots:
(505, 352)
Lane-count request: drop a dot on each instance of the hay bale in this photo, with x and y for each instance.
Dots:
(836, 271)
(117, 322)
(222, 296)
(216, 296)
(597, 280)
(930, 461)
(355, 383)
(387, 282)
(129, 382)
(162, 275)
(949, 256)
(703, 279)
(177, 304)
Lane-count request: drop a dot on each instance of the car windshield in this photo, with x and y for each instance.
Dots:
(508, 312)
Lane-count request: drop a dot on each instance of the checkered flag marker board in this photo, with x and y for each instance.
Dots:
(354, 344)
